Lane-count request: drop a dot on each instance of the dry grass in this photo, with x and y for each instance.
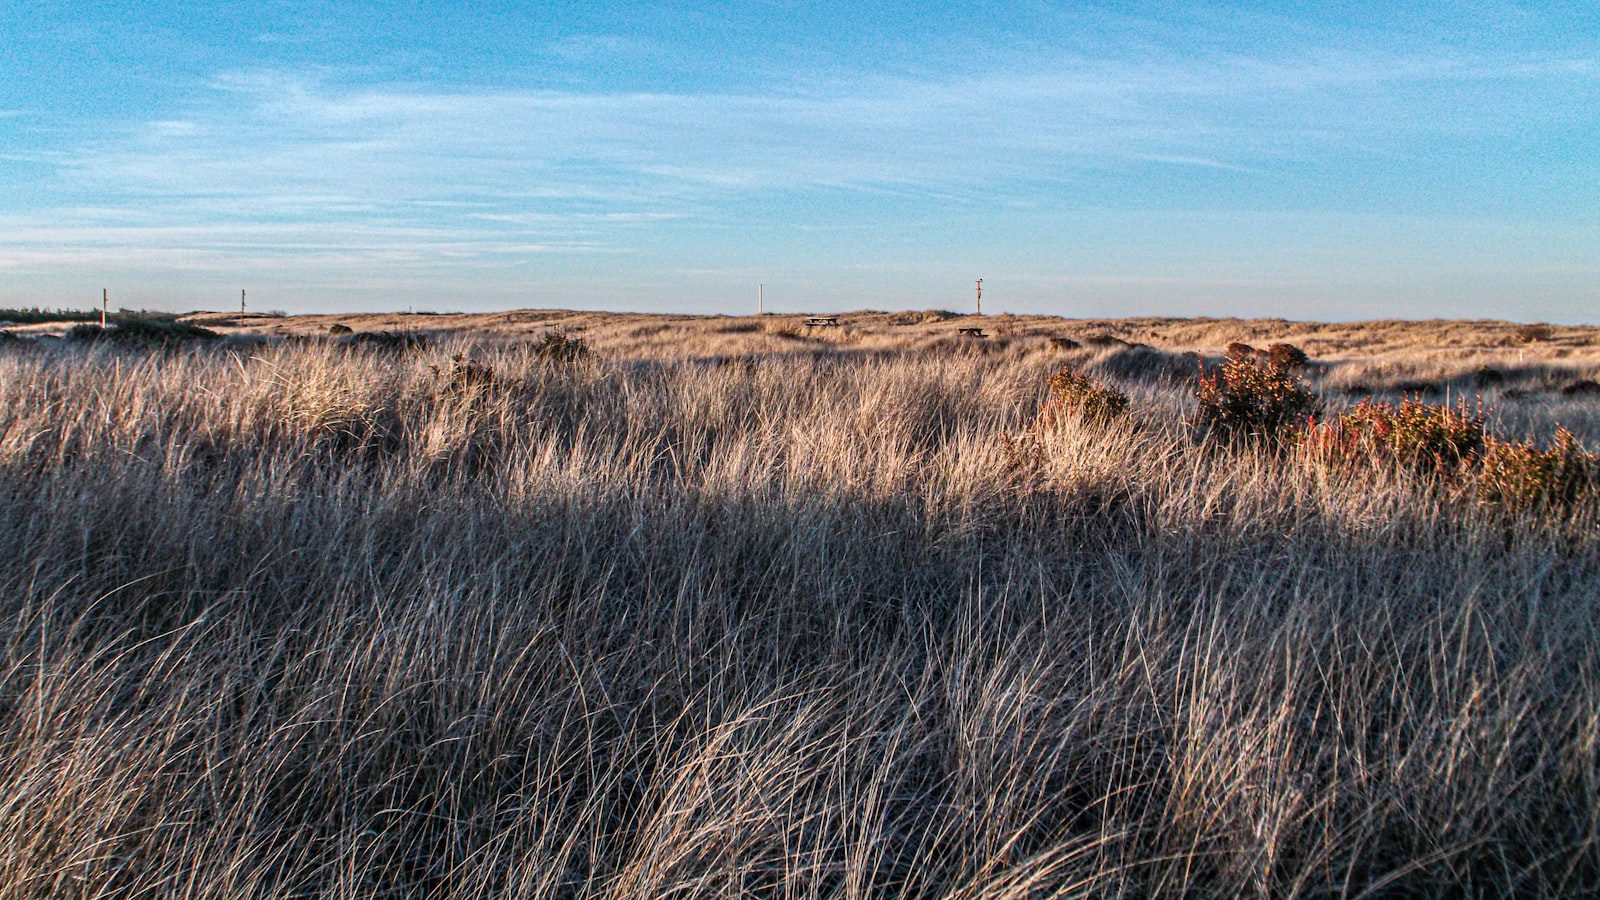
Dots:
(723, 613)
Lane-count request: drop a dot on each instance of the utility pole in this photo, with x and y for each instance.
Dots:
(241, 302)
(761, 299)
(980, 296)
(105, 304)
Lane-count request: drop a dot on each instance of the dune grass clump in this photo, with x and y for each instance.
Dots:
(1255, 397)
(789, 329)
(921, 317)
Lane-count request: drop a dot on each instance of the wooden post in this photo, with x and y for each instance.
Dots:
(105, 304)
(761, 299)
(241, 303)
(980, 296)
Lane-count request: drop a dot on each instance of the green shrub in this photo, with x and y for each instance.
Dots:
(1253, 396)
(1520, 476)
(1074, 395)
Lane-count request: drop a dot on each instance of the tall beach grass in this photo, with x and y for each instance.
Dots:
(309, 620)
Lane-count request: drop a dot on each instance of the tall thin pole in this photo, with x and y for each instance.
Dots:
(241, 302)
(980, 296)
(761, 299)
(105, 304)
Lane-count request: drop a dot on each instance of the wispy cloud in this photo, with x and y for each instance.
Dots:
(270, 135)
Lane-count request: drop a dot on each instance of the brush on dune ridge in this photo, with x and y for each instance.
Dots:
(311, 621)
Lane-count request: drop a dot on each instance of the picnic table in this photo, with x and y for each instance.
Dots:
(823, 322)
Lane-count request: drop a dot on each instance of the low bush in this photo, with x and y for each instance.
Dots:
(1451, 445)
(1422, 437)
(1253, 396)
(1487, 376)
(922, 317)
(142, 332)
(1529, 334)
(1064, 343)
(1583, 387)
(1417, 387)
(340, 328)
(1075, 395)
(1288, 356)
(464, 375)
(388, 340)
(1104, 339)
(1137, 362)
(560, 347)
(36, 315)
(1520, 476)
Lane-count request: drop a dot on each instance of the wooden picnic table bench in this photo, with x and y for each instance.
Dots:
(971, 332)
(822, 321)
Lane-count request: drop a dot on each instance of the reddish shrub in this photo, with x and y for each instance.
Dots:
(1422, 437)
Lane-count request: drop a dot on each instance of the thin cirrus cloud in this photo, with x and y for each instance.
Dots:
(279, 138)
(259, 133)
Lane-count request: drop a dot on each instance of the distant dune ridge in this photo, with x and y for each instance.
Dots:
(568, 604)
(640, 334)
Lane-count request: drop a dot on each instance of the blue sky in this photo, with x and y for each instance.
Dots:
(1324, 161)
